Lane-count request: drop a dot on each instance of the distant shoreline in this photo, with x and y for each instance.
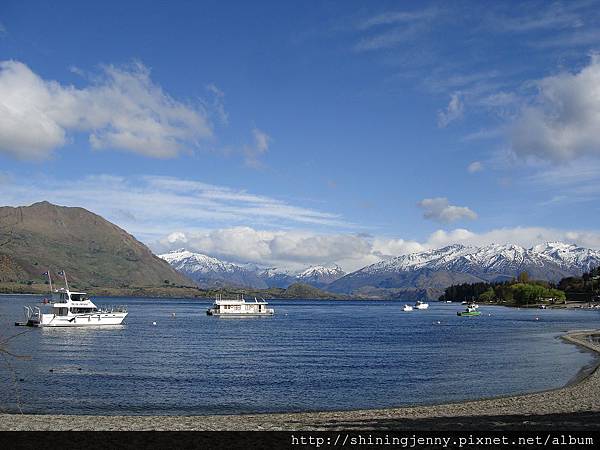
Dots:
(573, 406)
(210, 295)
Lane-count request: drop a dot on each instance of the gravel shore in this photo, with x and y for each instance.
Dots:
(575, 406)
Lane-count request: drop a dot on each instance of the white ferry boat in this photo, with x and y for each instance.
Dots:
(421, 305)
(239, 307)
(73, 309)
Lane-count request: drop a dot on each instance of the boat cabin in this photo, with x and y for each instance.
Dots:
(239, 306)
(67, 303)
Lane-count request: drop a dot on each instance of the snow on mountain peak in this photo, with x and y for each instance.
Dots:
(321, 271)
(188, 262)
(501, 258)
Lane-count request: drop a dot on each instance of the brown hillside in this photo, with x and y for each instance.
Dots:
(93, 251)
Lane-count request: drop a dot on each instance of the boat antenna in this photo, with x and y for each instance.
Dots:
(64, 274)
(49, 279)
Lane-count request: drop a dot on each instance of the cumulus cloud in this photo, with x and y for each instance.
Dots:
(297, 249)
(287, 248)
(475, 166)
(564, 121)
(121, 109)
(440, 210)
(523, 236)
(454, 111)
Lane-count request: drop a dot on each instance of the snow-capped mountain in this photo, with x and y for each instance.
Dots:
(570, 255)
(277, 277)
(212, 272)
(320, 276)
(430, 271)
(439, 268)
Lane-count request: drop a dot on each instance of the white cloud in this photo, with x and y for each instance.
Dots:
(297, 249)
(217, 104)
(291, 249)
(402, 27)
(154, 206)
(564, 122)
(524, 236)
(260, 146)
(475, 166)
(440, 210)
(121, 109)
(169, 213)
(453, 111)
(397, 17)
(553, 16)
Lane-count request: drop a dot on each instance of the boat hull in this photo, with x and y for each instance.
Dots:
(261, 314)
(468, 313)
(94, 320)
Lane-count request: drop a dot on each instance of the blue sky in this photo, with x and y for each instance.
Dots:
(293, 133)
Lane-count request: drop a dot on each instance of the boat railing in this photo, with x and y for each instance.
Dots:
(32, 313)
(113, 309)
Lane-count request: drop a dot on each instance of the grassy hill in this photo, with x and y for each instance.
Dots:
(93, 251)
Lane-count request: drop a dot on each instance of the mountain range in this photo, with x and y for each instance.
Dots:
(416, 275)
(97, 253)
(211, 272)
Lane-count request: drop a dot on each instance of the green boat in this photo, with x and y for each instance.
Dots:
(470, 311)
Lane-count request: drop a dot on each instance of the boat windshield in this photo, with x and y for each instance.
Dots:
(83, 310)
(78, 297)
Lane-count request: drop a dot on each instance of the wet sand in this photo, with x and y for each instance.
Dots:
(575, 406)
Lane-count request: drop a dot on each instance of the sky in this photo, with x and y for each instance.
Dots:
(307, 132)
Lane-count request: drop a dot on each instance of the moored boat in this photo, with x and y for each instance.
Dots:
(421, 305)
(471, 310)
(239, 307)
(73, 309)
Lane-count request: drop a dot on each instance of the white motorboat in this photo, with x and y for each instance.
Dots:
(73, 309)
(407, 308)
(239, 307)
(421, 305)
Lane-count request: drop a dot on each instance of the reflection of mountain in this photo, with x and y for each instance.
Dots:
(93, 251)
(434, 270)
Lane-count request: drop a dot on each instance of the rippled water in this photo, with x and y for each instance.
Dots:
(312, 355)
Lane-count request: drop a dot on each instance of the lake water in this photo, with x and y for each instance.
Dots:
(312, 355)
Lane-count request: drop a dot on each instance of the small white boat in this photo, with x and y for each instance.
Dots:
(239, 308)
(421, 305)
(407, 308)
(73, 309)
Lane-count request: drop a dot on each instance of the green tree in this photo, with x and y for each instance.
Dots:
(487, 296)
(523, 277)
